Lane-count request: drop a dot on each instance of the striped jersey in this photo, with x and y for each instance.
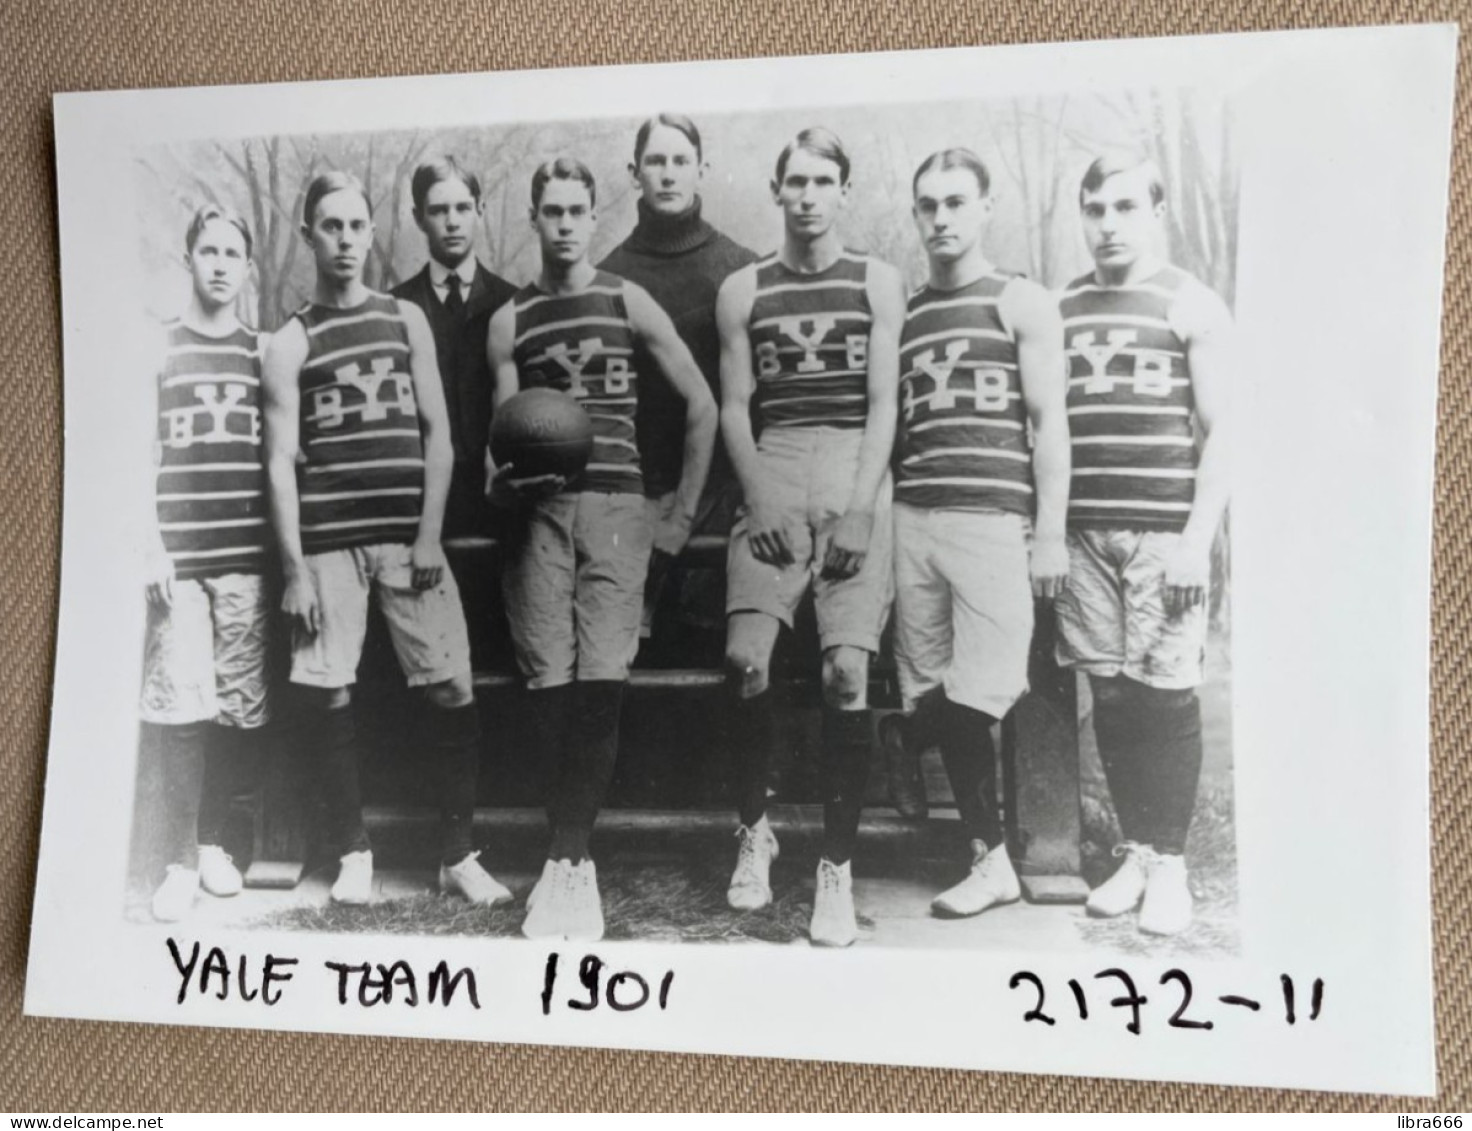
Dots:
(1129, 405)
(962, 439)
(582, 344)
(810, 344)
(210, 488)
(362, 481)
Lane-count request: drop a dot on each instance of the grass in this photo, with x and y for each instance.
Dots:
(661, 902)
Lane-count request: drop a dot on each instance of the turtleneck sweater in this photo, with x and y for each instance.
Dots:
(681, 261)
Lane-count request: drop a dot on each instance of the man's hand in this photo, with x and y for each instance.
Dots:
(1187, 573)
(504, 489)
(160, 585)
(299, 603)
(672, 533)
(767, 534)
(426, 564)
(1048, 567)
(849, 545)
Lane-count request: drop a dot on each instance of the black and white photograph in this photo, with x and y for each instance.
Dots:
(744, 525)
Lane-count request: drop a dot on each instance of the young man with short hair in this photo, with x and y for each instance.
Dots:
(575, 570)
(681, 260)
(204, 667)
(1150, 364)
(359, 459)
(809, 338)
(979, 510)
(458, 295)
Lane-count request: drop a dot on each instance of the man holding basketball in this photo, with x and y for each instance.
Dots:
(809, 339)
(359, 460)
(979, 510)
(1150, 360)
(575, 571)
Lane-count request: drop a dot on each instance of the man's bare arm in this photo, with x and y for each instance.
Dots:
(1211, 353)
(428, 557)
(281, 394)
(673, 357)
(849, 545)
(159, 567)
(768, 539)
(1033, 317)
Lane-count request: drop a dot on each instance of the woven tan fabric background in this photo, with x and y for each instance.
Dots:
(50, 1065)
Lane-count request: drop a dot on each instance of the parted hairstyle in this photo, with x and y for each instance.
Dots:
(216, 212)
(432, 173)
(563, 169)
(1121, 161)
(819, 142)
(325, 184)
(674, 122)
(957, 157)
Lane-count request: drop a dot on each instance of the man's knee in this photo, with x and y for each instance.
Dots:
(452, 693)
(748, 667)
(846, 678)
(324, 698)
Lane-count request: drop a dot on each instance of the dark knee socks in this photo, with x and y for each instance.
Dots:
(332, 734)
(1150, 746)
(846, 749)
(454, 735)
(549, 715)
(181, 752)
(753, 736)
(587, 767)
(970, 759)
(229, 763)
(923, 726)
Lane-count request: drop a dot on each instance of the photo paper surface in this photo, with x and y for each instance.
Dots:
(913, 558)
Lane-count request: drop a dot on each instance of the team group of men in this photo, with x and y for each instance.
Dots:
(953, 455)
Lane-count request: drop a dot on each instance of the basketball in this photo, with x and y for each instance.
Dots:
(542, 432)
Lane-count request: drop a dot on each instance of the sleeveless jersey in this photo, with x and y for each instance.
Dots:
(810, 344)
(1129, 406)
(210, 489)
(583, 344)
(963, 439)
(363, 479)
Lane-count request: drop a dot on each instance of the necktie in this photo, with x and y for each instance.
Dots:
(454, 301)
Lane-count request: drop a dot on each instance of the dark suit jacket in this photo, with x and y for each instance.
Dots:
(467, 381)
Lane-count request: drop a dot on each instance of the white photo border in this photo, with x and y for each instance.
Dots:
(1345, 156)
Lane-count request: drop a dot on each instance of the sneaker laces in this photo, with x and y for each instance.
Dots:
(829, 877)
(746, 862)
(1134, 849)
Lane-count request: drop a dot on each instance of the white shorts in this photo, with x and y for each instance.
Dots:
(204, 658)
(427, 626)
(963, 606)
(810, 475)
(1111, 617)
(574, 586)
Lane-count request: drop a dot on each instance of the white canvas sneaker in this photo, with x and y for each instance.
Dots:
(354, 878)
(1122, 891)
(218, 874)
(991, 882)
(546, 906)
(834, 922)
(1166, 909)
(584, 905)
(469, 880)
(751, 886)
(174, 898)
